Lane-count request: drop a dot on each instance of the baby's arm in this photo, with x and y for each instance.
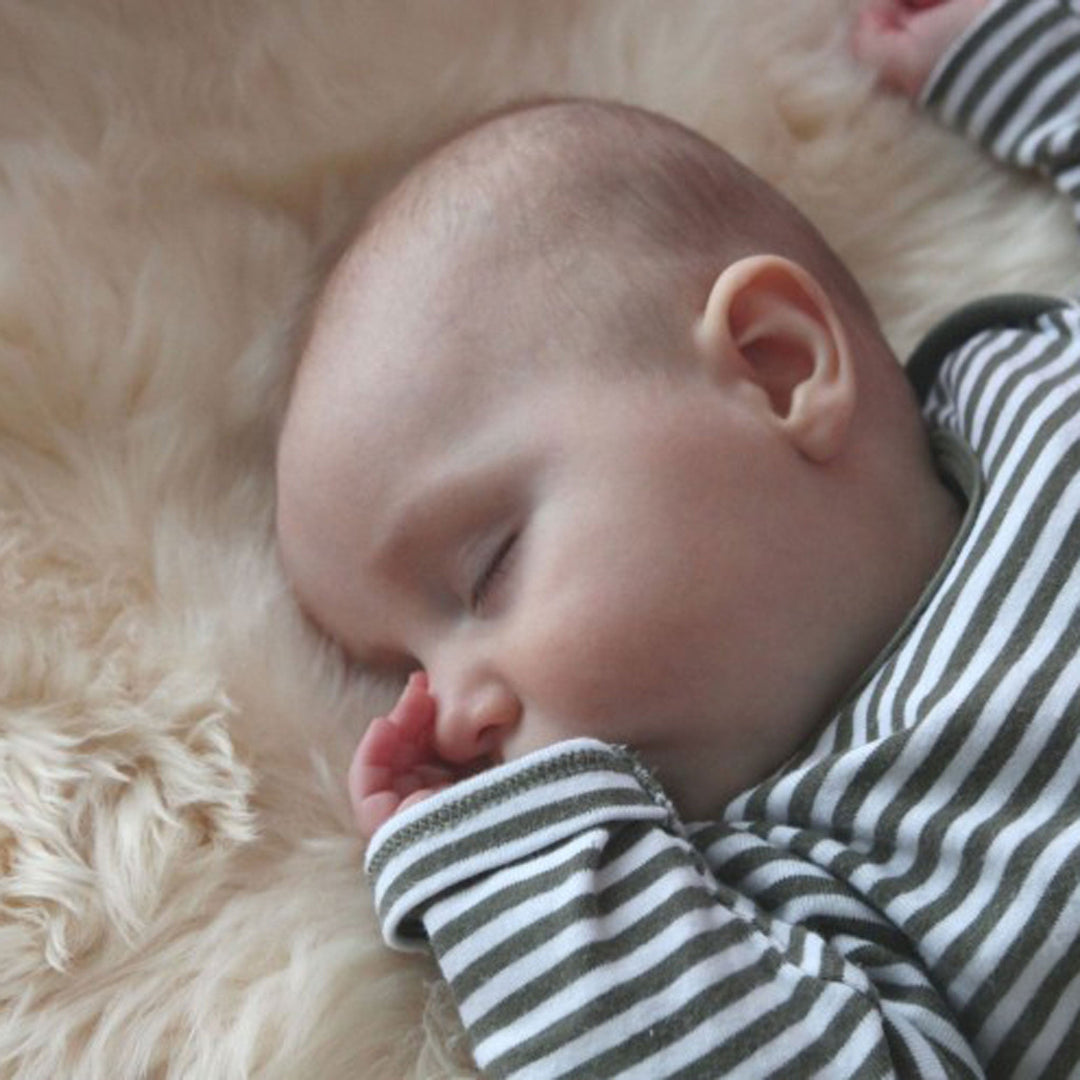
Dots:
(1008, 77)
(583, 934)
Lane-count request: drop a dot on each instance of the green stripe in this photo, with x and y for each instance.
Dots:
(1024, 796)
(1005, 389)
(577, 910)
(733, 1052)
(506, 832)
(1063, 382)
(997, 754)
(596, 953)
(522, 781)
(1062, 981)
(977, 369)
(1004, 58)
(463, 926)
(1023, 93)
(1057, 106)
(881, 1060)
(750, 859)
(470, 921)
(985, 32)
(625, 995)
(1012, 962)
(981, 623)
(1035, 1014)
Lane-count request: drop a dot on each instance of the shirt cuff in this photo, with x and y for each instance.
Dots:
(499, 817)
(940, 89)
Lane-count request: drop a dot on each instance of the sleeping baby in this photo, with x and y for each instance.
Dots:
(739, 726)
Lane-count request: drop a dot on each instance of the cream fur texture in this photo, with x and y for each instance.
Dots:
(180, 888)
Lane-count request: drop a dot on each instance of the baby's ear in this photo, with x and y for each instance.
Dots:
(769, 323)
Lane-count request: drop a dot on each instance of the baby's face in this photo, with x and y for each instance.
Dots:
(564, 552)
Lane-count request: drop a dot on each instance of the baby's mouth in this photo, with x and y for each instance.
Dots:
(482, 764)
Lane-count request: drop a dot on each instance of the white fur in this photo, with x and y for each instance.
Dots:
(180, 890)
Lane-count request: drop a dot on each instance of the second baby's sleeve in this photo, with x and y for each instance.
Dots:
(583, 935)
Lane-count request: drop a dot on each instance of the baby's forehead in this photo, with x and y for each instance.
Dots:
(416, 275)
(425, 311)
(497, 202)
(395, 354)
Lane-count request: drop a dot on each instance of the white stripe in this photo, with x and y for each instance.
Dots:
(989, 422)
(921, 745)
(709, 970)
(994, 803)
(1018, 137)
(499, 814)
(587, 932)
(1062, 1019)
(505, 925)
(990, 51)
(481, 894)
(1027, 987)
(778, 1052)
(1062, 365)
(881, 799)
(713, 1031)
(836, 783)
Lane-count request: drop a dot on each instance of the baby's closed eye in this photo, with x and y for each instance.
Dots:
(493, 570)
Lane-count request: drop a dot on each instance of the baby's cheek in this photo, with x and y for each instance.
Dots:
(598, 670)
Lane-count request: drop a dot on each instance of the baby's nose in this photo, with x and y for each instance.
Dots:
(472, 722)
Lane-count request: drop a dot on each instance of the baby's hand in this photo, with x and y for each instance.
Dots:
(904, 39)
(395, 764)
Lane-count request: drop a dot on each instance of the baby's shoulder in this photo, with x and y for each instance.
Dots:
(978, 324)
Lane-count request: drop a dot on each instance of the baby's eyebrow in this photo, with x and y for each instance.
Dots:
(446, 505)
(410, 526)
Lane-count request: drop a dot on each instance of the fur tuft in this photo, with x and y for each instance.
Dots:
(180, 889)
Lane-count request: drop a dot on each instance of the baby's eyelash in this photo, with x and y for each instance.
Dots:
(491, 572)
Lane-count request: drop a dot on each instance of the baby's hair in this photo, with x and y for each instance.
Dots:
(625, 192)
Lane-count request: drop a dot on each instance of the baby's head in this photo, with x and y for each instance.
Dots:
(594, 427)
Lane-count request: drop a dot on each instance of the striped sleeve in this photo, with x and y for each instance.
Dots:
(583, 935)
(1012, 83)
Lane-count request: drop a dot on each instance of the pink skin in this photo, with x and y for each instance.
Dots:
(396, 764)
(904, 39)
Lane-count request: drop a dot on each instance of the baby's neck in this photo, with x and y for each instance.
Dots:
(910, 553)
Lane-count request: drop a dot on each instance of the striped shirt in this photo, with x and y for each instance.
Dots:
(903, 898)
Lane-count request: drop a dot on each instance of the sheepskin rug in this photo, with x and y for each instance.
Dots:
(180, 889)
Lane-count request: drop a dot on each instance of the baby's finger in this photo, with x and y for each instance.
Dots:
(374, 811)
(419, 796)
(380, 743)
(437, 775)
(424, 776)
(414, 722)
(414, 712)
(885, 44)
(372, 767)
